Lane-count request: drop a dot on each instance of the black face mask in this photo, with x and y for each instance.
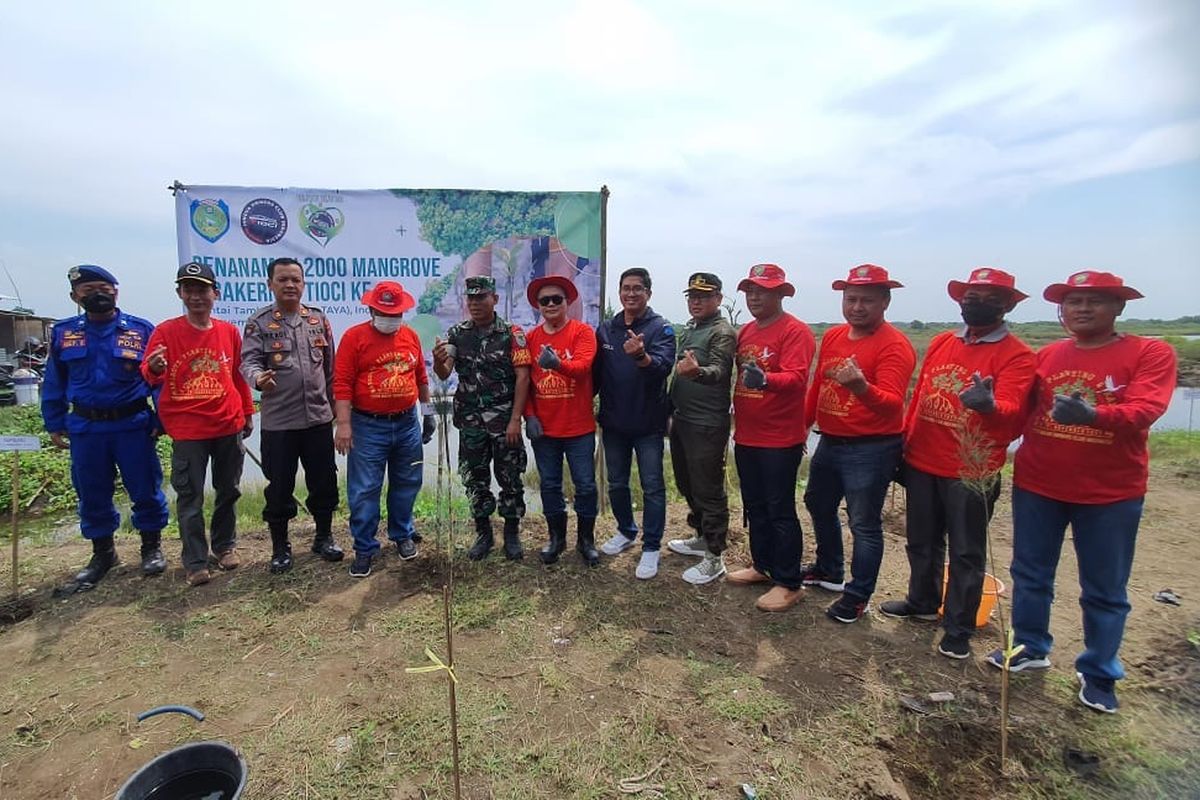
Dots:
(979, 314)
(98, 303)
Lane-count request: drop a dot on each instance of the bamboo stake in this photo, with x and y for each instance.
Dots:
(16, 504)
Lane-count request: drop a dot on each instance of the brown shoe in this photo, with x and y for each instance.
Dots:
(229, 559)
(745, 577)
(780, 598)
(198, 578)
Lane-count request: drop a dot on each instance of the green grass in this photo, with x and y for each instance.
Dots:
(1175, 446)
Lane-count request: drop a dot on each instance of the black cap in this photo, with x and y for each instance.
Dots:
(195, 271)
(703, 282)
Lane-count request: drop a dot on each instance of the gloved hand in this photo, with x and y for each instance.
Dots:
(979, 396)
(533, 428)
(428, 428)
(1073, 410)
(548, 359)
(753, 377)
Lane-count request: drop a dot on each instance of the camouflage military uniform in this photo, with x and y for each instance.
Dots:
(485, 362)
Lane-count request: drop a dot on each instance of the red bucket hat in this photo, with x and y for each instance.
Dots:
(867, 275)
(388, 297)
(768, 276)
(1094, 281)
(986, 276)
(561, 281)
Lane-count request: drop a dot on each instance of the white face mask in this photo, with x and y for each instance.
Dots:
(386, 325)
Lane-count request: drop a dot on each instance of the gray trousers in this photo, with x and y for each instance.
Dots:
(189, 463)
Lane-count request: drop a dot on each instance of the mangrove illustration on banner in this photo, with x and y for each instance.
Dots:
(430, 240)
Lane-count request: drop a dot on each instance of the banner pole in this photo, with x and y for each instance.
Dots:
(16, 504)
(598, 456)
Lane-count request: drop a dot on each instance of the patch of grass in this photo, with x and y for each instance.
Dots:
(178, 630)
(742, 699)
(478, 607)
(1175, 446)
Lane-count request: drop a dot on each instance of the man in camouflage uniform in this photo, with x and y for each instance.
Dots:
(492, 362)
(287, 354)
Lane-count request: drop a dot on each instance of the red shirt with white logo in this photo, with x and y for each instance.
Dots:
(944, 438)
(887, 360)
(561, 399)
(204, 395)
(773, 417)
(1130, 382)
(380, 373)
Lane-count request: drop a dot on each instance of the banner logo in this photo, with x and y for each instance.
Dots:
(210, 218)
(321, 223)
(263, 221)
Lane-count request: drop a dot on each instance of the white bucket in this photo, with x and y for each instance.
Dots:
(25, 386)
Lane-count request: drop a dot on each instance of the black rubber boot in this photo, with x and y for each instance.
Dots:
(323, 543)
(153, 561)
(585, 541)
(281, 549)
(484, 539)
(512, 540)
(558, 538)
(104, 558)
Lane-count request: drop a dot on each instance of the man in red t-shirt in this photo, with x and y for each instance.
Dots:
(856, 399)
(379, 386)
(774, 353)
(1083, 462)
(964, 412)
(558, 415)
(206, 408)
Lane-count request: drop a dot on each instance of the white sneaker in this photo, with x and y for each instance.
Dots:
(707, 571)
(647, 568)
(695, 546)
(618, 543)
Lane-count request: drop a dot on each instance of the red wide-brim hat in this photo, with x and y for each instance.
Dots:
(867, 275)
(561, 281)
(388, 297)
(986, 276)
(1092, 281)
(768, 276)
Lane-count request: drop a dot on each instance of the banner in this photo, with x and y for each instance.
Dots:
(429, 240)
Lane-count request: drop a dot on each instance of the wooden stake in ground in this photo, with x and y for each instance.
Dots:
(16, 505)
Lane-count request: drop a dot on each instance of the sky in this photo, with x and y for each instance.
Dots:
(929, 137)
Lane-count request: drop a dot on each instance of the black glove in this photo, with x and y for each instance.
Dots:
(428, 428)
(533, 428)
(1073, 410)
(753, 377)
(979, 396)
(548, 359)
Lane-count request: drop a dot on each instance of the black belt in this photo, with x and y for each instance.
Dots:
(397, 415)
(110, 414)
(872, 438)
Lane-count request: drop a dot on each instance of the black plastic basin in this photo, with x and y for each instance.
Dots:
(196, 771)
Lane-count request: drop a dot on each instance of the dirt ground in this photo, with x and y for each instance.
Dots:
(577, 683)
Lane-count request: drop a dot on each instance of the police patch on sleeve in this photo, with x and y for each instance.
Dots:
(519, 336)
(668, 330)
(250, 328)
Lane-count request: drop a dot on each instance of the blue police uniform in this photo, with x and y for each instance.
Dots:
(93, 390)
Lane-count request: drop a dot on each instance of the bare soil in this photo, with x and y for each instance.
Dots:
(577, 683)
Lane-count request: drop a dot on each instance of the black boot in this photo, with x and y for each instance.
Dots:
(323, 544)
(558, 538)
(512, 540)
(281, 549)
(484, 539)
(153, 562)
(585, 541)
(104, 558)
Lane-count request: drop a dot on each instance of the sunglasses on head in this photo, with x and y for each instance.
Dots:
(551, 300)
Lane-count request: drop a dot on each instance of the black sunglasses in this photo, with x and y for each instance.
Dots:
(551, 300)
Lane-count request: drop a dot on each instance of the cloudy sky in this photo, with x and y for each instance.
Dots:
(930, 137)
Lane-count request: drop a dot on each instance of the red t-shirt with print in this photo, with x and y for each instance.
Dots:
(1130, 382)
(561, 399)
(379, 372)
(887, 360)
(773, 417)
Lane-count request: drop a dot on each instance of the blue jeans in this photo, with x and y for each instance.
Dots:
(768, 479)
(95, 458)
(618, 458)
(1104, 537)
(861, 473)
(378, 444)
(579, 451)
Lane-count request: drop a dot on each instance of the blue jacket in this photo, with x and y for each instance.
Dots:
(633, 399)
(96, 365)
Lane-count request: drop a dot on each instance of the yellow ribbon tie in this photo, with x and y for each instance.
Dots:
(438, 666)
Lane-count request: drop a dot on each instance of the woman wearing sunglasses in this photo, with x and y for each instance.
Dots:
(558, 415)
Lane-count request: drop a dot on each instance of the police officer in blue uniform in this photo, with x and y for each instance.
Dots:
(95, 402)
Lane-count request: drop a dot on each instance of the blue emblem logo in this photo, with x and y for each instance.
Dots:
(264, 221)
(210, 218)
(321, 223)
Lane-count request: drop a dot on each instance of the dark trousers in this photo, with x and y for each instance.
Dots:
(312, 448)
(189, 462)
(95, 458)
(768, 479)
(940, 509)
(698, 460)
(480, 451)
